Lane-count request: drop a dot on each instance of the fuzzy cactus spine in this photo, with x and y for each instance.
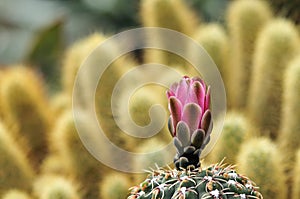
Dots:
(15, 194)
(15, 170)
(296, 177)
(278, 43)
(24, 103)
(245, 19)
(260, 160)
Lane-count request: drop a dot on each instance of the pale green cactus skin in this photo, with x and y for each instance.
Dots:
(16, 172)
(277, 44)
(245, 19)
(260, 160)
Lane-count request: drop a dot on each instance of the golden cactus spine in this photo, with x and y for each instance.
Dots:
(51, 186)
(260, 160)
(290, 129)
(114, 186)
(245, 19)
(16, 172)
(232, 137)
(215, 41)
(171, 14)
(65, 143)
(277, 44)
(24, 103)
(15, 194)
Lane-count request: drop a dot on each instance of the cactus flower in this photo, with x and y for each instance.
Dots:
(190, 122)
(188, 102)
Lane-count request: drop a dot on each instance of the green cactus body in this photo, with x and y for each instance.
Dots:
(216, 181)
(15, 194)
(233, 135)
(260, 160)
(114, 186)
(171, 14)
(15, 171)
(55, 187)
(277, 44)
(245, 20)
(79, 163)
(296, 176)
(26, 108)
(215, 41)
(290, 129)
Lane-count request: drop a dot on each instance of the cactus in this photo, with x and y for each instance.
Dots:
(171, 14)
(277, 44)
(214, 39)
(15, 171)
(26, 108)
(261, 161)
(66, 143)
(114, 186)
(55, 187)
(15, 194)
(190, 125)
(216, 181)
(296, 175)
(233, 135)
(290, 128)
(245, 20)
(75, 56)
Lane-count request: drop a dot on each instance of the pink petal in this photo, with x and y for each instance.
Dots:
(175, 109)
(182, 89)
(170, 94)
(207, 99)
(191, 115)
(173, 87)
(200, 93)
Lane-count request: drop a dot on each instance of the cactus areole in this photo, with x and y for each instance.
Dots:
(190, 125)
(190, 122)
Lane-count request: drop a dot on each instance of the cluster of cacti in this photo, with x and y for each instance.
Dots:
(42, 156)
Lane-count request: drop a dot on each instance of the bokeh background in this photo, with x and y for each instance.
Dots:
(254, 43)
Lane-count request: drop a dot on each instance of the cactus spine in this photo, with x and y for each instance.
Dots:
(277, 44)
(66, 143)
(114, 186)
(25, 107)
(260, 160)
(16, 173)
(171, 14)
(51, 187)
(245, 20)
(215, 41)
(233, 135)
(290, 128)
(15, 194)
(296, 175)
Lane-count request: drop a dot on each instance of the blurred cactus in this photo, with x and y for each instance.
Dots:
(55, 187)
(15, 171)
(290, 127)
(296, 176)
(171, 14)
(232, 137)
(75, 56)
(114, 186)
(15, 194)
(260, 160)
(60, 103)
(25, 107)
(277, 44)
(215, 41)
(245, 20)
(78, 161)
